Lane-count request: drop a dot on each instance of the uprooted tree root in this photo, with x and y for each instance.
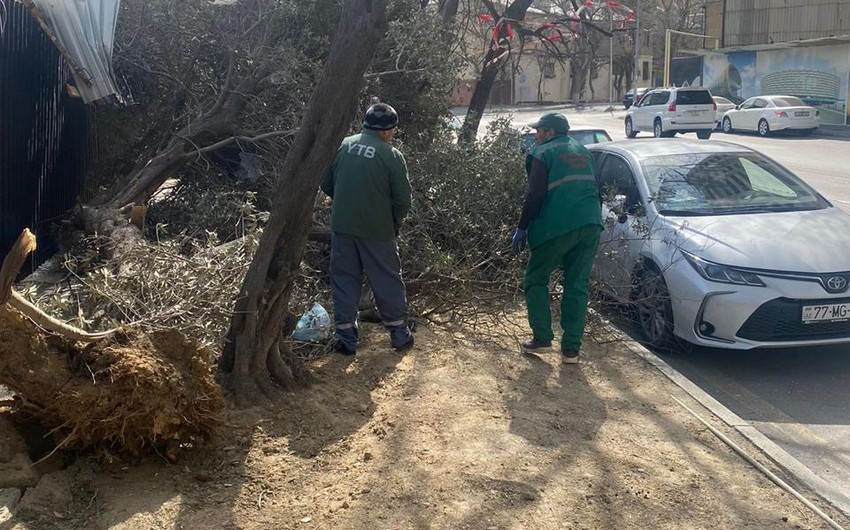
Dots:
(130, 393)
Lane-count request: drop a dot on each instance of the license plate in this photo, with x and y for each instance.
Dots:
(804, 113)
(826, 313)
(694, 112)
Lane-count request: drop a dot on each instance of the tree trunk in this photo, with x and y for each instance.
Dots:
(448, 10)
(254, 357)
(190, 142)
(491, 66)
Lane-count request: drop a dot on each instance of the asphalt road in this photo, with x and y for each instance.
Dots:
(799, 398)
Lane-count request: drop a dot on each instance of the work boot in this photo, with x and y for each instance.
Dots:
(406, 346)
(339, 347)
(570, 356)
(536, 346)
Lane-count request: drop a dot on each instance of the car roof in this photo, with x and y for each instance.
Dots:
(650, 147)
(681, 88)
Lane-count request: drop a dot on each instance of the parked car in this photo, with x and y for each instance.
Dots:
(667, 111)
(629, 97)
(723, 105)
(766, 114)
(718, 245)
(582, 136)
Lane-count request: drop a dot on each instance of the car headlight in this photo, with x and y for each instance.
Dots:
(714, 272)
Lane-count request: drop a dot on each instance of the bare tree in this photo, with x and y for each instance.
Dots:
(254, 357)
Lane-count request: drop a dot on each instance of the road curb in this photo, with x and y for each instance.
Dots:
(837, 499)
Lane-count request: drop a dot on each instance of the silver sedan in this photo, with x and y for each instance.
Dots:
(715, 244)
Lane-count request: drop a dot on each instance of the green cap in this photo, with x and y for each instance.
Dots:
(552, 120)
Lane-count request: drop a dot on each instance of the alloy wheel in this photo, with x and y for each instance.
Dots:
(653, 310)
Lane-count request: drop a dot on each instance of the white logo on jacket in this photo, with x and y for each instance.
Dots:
(366, 151)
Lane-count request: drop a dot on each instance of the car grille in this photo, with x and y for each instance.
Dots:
(780, 320)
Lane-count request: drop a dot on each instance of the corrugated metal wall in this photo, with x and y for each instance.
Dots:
(770, 21)
(43, 134)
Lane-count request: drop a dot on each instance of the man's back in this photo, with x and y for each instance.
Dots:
(368, 183)
(572, 199)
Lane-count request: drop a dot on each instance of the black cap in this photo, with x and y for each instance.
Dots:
(380, 117)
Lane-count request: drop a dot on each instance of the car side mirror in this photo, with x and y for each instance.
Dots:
(737, 107)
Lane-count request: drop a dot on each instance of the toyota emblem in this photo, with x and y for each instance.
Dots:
(836, 284)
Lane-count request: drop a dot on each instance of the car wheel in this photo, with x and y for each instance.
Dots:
(630, 131)
(727, 125)
(764, 128)
(657, 130)
(653, 311)
(704, 134)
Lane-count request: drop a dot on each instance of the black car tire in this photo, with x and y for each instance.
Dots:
(657, 129)
(704, 134)
(727, 124)
(652, 308)
(764, 128)
(630, 130)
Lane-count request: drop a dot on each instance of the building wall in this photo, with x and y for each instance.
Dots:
(749, 22)
(816, 74)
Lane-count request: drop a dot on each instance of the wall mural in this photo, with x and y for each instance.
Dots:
(816, 74)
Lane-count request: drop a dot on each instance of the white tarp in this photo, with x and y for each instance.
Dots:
(86, 30)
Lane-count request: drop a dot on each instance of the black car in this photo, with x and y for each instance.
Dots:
(629, 96)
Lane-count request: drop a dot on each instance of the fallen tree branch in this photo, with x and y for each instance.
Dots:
(12, 264)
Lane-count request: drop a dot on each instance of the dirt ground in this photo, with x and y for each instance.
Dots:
(460, 433)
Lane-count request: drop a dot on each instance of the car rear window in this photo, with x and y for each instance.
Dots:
(694, 97)
(788, 102)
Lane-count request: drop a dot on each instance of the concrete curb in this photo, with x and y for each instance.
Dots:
(839, 500)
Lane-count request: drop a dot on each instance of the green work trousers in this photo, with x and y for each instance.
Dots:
(574, 252)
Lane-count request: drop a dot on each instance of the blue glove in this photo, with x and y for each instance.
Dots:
(518, 241)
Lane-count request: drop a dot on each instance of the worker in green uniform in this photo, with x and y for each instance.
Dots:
(561, 221)
(368, 183)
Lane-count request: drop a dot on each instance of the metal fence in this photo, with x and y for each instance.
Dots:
(44, 145)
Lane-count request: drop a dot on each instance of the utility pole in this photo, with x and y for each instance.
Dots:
(611, 56)
(637, 46)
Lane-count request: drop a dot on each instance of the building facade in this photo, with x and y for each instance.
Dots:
(789, 47)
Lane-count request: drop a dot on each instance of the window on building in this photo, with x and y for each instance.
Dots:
(548, 68)
(645, 70)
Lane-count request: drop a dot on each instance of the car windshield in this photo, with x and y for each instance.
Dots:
(724, 183)
(788, 101)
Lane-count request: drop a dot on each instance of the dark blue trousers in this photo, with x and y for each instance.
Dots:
(352, 256)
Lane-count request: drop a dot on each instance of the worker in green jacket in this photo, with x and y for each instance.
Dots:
(561, 221)
(368, 183)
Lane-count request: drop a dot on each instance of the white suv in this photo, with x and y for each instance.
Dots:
(666, 111)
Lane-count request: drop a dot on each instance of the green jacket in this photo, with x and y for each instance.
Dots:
(572, 198)
(368, 183)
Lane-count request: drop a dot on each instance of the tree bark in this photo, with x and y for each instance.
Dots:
(490, 68)
(255, 357)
